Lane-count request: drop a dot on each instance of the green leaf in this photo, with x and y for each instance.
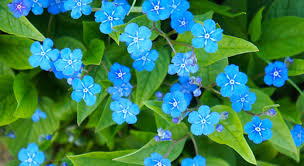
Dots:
(8, 102)
(106, 117)
(69, 42)
(137, 157)
(281, 137)
(232, 135)
(280, 8)
(255, 26)
(289, 42)
(203, 17)
(99, 158)
(15, 51)
(17, 26)
(263, 163)
(287, 109)
(213, 161)
(95, 52)
(26, 94)
(296, 68)
(163, 120)
(149, 82)
(300, 103)
(6, 70)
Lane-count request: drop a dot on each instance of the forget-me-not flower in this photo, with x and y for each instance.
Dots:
(183, 64)
(118, 91)
(20, 7)
(156, 160)
(232, 81)
(69, 62)
(174, 104)
(11, 134)
(259, 130)
(196, 161)
(109, 16)
(206, 36)
(297, 134)
(163, 135)
(178, 6)
(85, 89)
(145, 61)
(124, 111)
(182, 22)
(243, 100)
(276, 74)
(124, 4)
(137, 38)
(186, 87)
(203, 122)
(56, 6)
(43, 55)
(38, 114)
(38, 5)
(119, 74)
(156, 9)
(31, 156)
(78, 7)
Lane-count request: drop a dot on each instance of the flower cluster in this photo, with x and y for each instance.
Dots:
(298, 135)
(163, 135)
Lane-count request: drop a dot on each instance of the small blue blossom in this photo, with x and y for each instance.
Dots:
(297, 134)
(203, 122)
(243, 100)
(20, 7)
(178, 6)
(38, 114)
(31, 156)
(78, 7)
(64, 164)
(271, 112)
(11, 134)
(124, 111)
(259, 130)
(124, 4)
(60, 75)
(174, 104)
(232, 81)
(56, 6)
(276, 74)
(183, 64)
(137, 38)
(197, 92)
(196, 161)
(156, 9)
(51, 165)
(163, 135)
(119, 74)
(109, 16)
(185, 87)
(43, 55)
(219, 128)
(175, 120)
(85, 89)
(145, 61)
(206, 36)
(156, 160)
(118, 91)
(38, 5)
(159, 94)
(182, 22)
(69, 62)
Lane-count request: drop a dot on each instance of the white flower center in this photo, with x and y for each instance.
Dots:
(156, 7)
(35, 1)
(231, 81)
(144, 58)
(258, 129)
(159, 164)
(175, 104)
(207, 36)
(275, 73)
(30, 160)
(135, 39)
(183, 65)
(85, 90)
(42, 53)
(242, 99)
(183, 22)
(203, 121)
(70, 62)
(124, 111)
(19, 6)
(78, 3)
(119, 74)
(174, 6)
(110, 18)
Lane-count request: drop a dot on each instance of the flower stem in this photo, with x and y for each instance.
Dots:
(174, 143)
(164, 36)
(135, 9)
(194, 144)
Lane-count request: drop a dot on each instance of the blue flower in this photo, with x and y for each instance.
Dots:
(78, 7)
(183, 64)
(31, 155)
(232, 81)
(118, 91)
(156, 160)
(182, 22)
(156, 9)
(243, 100)
(196, 161)
(56, 6)
(298, 135)
(124, 4)
(85, 89)
(119, 74)
(203, 122)
(276, 74)
(20, 7)
(124, 111)
(11, 134)
(38, 5)
(163, 135)
(137, 38)
(43, 55)
(206, 36)
(69, 62)
(178, 6)
(51, 165)
(259, 130)
(145, 61)
(174, 104)
(185, 87)
(38, 114)
(60, 75)
(109, 16)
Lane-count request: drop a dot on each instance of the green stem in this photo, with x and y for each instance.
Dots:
(135, 9)
(194, 144)
(164, 36)
(174, 143)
